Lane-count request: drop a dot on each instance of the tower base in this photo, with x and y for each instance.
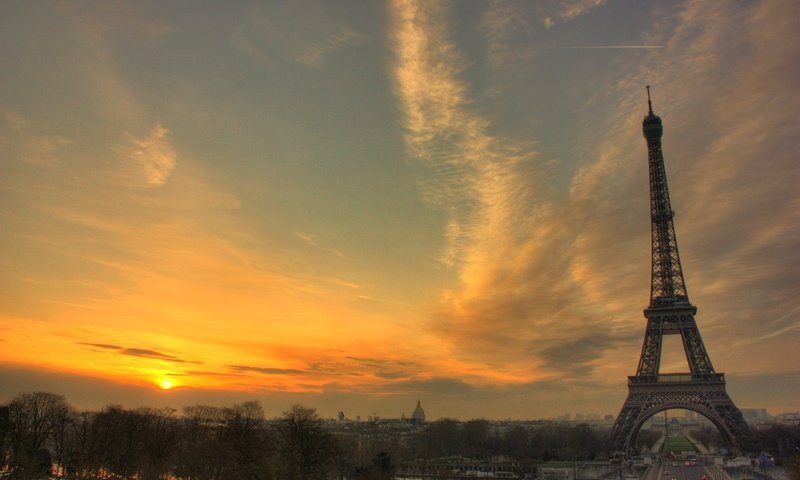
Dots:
(703, 394)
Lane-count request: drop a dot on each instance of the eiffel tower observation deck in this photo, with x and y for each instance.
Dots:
(651, 391)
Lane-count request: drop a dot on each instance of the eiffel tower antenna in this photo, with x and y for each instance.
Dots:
(651, 391)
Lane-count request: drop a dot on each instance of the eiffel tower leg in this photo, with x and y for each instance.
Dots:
(620, 437)
(741, 436)
(648, 396)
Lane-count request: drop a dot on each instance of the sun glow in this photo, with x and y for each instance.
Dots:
(165, 383)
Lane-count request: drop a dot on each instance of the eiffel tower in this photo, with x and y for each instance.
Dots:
(702, 389)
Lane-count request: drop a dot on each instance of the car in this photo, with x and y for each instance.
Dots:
(666, 472)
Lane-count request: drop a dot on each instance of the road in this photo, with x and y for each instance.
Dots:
(678, 470)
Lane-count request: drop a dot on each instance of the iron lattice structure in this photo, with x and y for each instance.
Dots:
(701, 390)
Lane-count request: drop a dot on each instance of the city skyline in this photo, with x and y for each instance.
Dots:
(360, 207)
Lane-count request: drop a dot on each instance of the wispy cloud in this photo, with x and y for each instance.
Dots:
(105, 346)
(176, 254)
(20, 139)
(528, 158)
(440, 386)
(147, 353)
(154, 154)
(502, 233)
(606, 47)
(304, 32)
(553, 12)
(726, 214)
(473, 176)
(92, 51)
(128, 19)
(535, 268)
(312, 240)
(137, 352)
(265, 370)
(577, 354)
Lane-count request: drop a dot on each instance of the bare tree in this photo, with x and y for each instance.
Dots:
(248, 440)
(477, 442)
(516, 442)
(793, 466)
(304, 449)
(158, 435)
(31, 419)
(61, 423)
(441, 438)
(202, 452)
(5, 433)
(119, 434)
(84, 459)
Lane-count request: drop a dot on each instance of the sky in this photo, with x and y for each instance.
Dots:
(356, 205)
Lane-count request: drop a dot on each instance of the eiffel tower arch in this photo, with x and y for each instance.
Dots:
(650, 391)
(709, 400)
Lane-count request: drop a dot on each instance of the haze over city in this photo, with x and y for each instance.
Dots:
(357, 205)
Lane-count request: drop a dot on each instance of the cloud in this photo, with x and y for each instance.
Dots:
(312, 241)
(548, 13)
(371, 362)
(138, 352)
(544, 251)
(265, 370)
(748, 388)
(127, 18)
(303, 32)
(572, 9)
(538, 269)
(154, 154)
(20, 140)
(440, 386)
(503, 23)
(717, 94)
(552, 13)
(391, 375)
(736, 217)
(472, 176)
(576, 355)
(92, 48)
(147, 353)
(101, 345)
(504, 234)
(506, 17)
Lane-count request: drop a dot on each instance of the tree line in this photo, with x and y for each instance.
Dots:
(43, 435)
(540, 441)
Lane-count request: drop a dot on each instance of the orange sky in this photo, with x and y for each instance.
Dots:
(355, 208)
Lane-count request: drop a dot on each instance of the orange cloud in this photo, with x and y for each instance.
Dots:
(154, 154)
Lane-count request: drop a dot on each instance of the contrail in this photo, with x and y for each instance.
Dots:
(598, 47)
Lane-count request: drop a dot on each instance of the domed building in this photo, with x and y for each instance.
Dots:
(418, 417)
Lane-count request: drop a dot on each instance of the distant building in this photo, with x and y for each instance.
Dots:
(418, 417)
(755, 415)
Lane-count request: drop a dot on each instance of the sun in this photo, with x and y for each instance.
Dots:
(165, 383)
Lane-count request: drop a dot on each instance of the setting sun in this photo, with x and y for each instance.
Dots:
(355, 206)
